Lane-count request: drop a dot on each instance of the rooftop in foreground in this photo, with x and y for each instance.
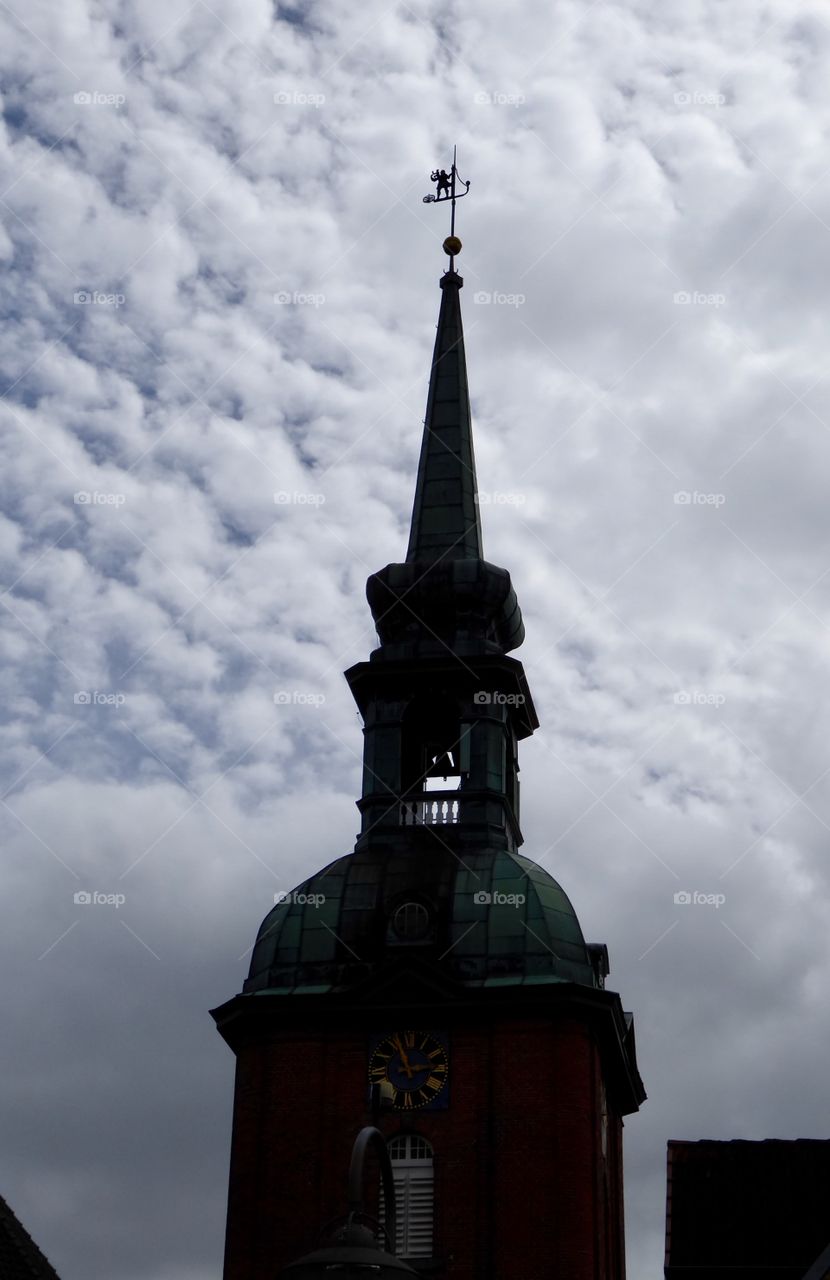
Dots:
(748, 1209)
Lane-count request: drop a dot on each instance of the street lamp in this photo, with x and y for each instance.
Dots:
(352, 1252)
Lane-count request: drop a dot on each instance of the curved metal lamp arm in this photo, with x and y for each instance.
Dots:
(372, 1136)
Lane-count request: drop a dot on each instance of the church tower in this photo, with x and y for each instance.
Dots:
(435, 982)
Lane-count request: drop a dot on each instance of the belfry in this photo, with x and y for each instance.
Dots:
(435, 982)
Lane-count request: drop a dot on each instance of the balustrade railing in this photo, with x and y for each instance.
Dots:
(434, 808)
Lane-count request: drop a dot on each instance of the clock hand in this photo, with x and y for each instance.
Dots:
(396, 1040)
(415, 1069)
(411, 1068)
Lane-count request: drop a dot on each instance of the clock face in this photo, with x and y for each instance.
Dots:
(415, 1063)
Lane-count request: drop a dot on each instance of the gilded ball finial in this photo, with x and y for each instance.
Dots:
(452, 245)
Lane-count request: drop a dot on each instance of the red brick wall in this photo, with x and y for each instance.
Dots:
(521, 1189)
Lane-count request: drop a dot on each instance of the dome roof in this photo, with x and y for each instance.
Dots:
(489, 918)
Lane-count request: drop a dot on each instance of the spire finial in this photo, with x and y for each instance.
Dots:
(446, 190)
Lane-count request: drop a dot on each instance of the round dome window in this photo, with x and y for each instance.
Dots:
(411, 921)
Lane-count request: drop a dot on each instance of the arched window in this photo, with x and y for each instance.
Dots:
(434, 746)
(411, 1157)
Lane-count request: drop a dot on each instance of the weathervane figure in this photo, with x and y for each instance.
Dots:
(443, 179)
(446, 190)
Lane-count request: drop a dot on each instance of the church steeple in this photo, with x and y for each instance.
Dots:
(446, 597)
(435, 982)
(440, 697)
(445, 515)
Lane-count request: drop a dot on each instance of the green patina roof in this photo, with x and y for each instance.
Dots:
(326, 946)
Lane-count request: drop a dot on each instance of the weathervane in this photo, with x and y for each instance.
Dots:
(445, 189)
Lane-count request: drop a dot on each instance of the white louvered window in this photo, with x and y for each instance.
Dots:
(411, 1158)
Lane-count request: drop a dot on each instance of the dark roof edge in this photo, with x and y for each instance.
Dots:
(34, 1263)
(819, 1269)
(242, 1017)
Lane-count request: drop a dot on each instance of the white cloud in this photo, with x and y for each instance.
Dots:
(655, 153)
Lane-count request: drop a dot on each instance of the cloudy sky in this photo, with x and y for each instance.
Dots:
(220, 285)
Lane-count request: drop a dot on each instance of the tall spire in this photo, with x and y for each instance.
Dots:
(445, 515)
(446, 598)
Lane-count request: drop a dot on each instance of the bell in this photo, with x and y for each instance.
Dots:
(442, 766)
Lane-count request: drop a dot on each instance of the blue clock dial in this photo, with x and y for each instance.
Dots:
(414, 1063)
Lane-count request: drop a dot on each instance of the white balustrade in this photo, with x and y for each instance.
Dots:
(432, 810)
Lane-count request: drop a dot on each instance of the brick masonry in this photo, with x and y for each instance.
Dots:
(523, 1190)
